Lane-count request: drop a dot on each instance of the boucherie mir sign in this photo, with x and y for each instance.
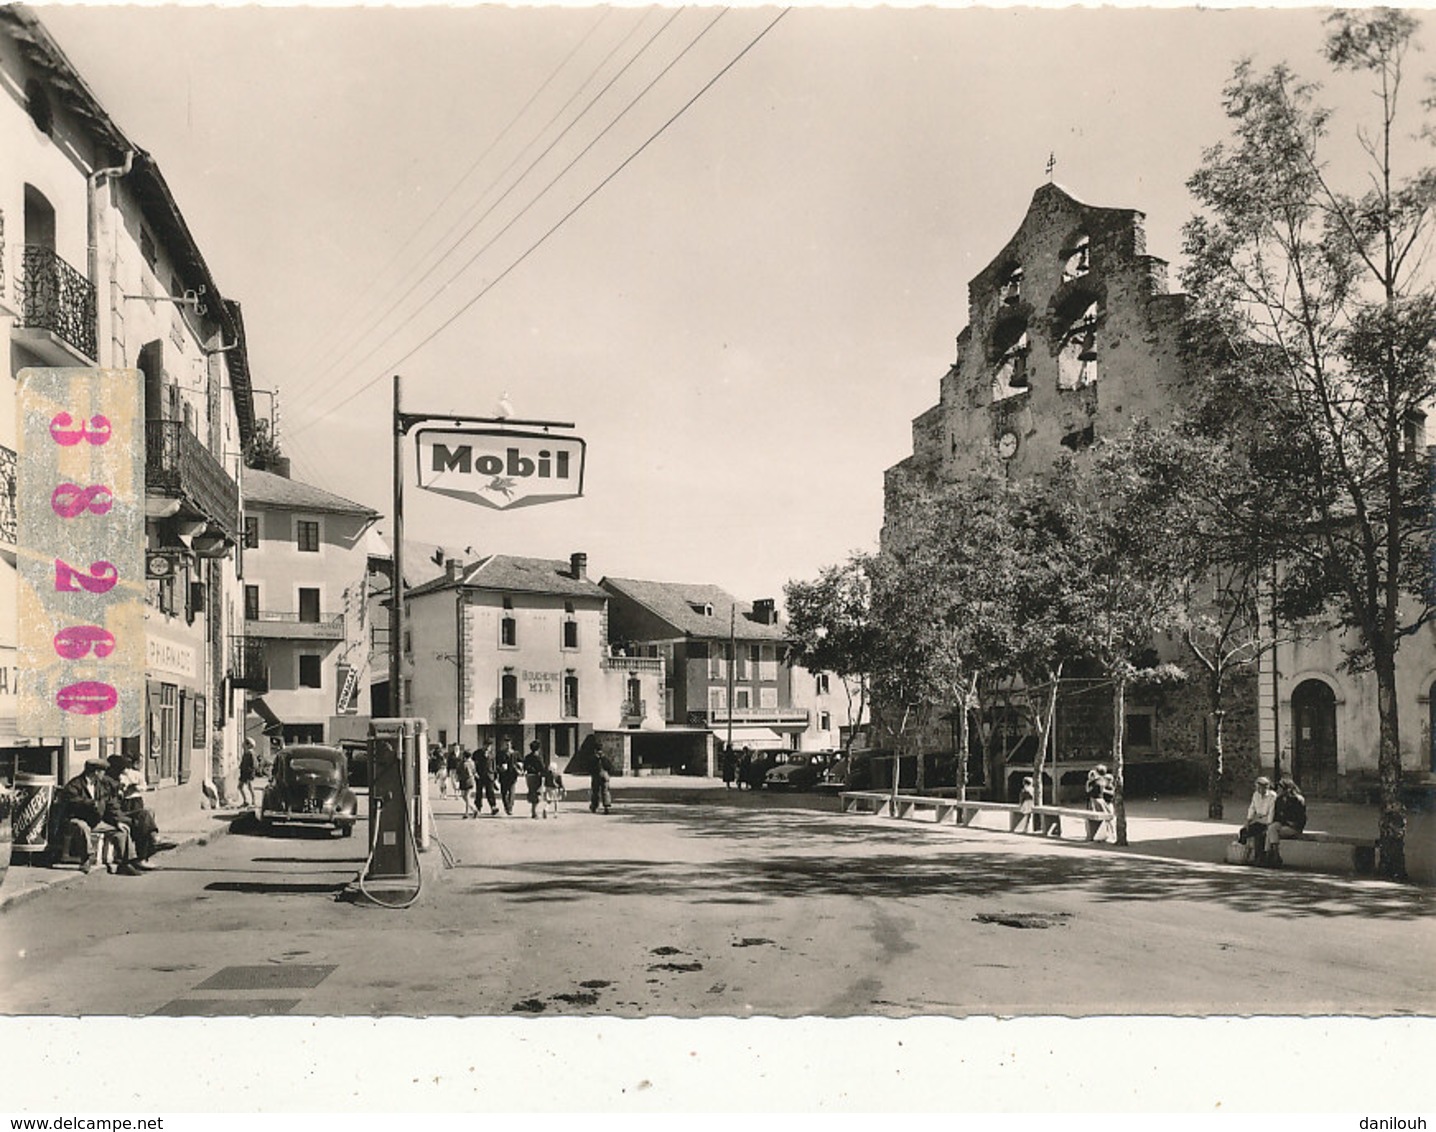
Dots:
(498, 467)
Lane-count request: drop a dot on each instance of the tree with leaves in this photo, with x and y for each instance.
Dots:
(830, 629)
(1130, 571)
(905, 684)
(1321, 298)
(958, 549)
(1049, 613)
(263, 451)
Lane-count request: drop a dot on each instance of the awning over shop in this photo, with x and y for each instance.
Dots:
(758, 738)
(273, 725)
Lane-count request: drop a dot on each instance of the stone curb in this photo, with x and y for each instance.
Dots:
(41, 880)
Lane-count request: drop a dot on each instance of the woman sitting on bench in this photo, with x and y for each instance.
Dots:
(1288, 819)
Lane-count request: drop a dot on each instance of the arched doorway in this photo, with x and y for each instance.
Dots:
(1313, 713)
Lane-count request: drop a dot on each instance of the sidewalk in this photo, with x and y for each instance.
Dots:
(25, 881)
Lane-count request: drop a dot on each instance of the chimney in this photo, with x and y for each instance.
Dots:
(451, 569)
(280, 466)
(578, 565)
(765, 611)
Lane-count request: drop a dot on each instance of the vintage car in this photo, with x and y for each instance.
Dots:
(800, 772)
(309, 784)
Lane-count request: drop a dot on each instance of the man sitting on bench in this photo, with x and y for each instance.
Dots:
(1259, 817)
(91, 809)
(1288, 819)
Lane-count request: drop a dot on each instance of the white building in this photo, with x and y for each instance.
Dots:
(98, 267)
(511, 648)
(306, 607)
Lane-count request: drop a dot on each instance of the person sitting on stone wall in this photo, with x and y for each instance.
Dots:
(91, 814)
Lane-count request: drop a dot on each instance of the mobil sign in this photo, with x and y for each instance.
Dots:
(500, 468)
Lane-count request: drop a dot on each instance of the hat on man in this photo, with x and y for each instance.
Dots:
(97, 764)
(116, 762)
(1263, 780)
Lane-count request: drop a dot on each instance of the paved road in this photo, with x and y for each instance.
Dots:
(702, 902)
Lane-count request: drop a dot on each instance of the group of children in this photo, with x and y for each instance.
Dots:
(492, 776)
(1101, 791)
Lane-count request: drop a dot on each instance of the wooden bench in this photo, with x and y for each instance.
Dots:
(1363, 849)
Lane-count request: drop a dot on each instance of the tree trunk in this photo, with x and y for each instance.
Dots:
(1392, 831)
(1119, 735)
(1045, 721)
(963, 726)
(1217, 766)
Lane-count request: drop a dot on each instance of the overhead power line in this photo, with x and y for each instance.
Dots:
(344, 328)
(563, 219)
(558, 177)
(318, 386)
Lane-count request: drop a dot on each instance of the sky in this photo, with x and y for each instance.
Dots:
(740, 295)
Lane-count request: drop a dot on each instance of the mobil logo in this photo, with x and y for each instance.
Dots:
(500, 468)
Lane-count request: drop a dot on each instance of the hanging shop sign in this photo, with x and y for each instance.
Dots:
(346, 695)
(80, 498)
(500, 468)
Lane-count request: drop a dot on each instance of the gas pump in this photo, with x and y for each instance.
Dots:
(399, 814)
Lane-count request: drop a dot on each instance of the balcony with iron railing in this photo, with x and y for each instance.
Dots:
(247, 667)
(636, 664)
(508, 711)
(287, 625)
(765, 717)
(633, 711)
(57, 308)
(179, 466)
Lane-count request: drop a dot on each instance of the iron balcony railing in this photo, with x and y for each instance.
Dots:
(778, 715)
(178, 465)
(283, 625)
(634, 709)
(509, 711)
(330, 620)
(56, 297)
(653, 664)
(247, 668)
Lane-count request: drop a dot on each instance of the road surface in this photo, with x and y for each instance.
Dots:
(695, 903)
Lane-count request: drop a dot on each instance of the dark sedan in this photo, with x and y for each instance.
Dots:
(798, 773)
(310, 785)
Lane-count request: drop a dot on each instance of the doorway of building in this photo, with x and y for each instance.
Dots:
(1313, 712)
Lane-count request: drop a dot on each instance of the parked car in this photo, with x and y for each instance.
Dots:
(852, 773)
(798, 773)
(357, 752)
(309, 784)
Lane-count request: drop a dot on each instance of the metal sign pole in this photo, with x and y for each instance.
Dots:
(732, 664)
(396, 560)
